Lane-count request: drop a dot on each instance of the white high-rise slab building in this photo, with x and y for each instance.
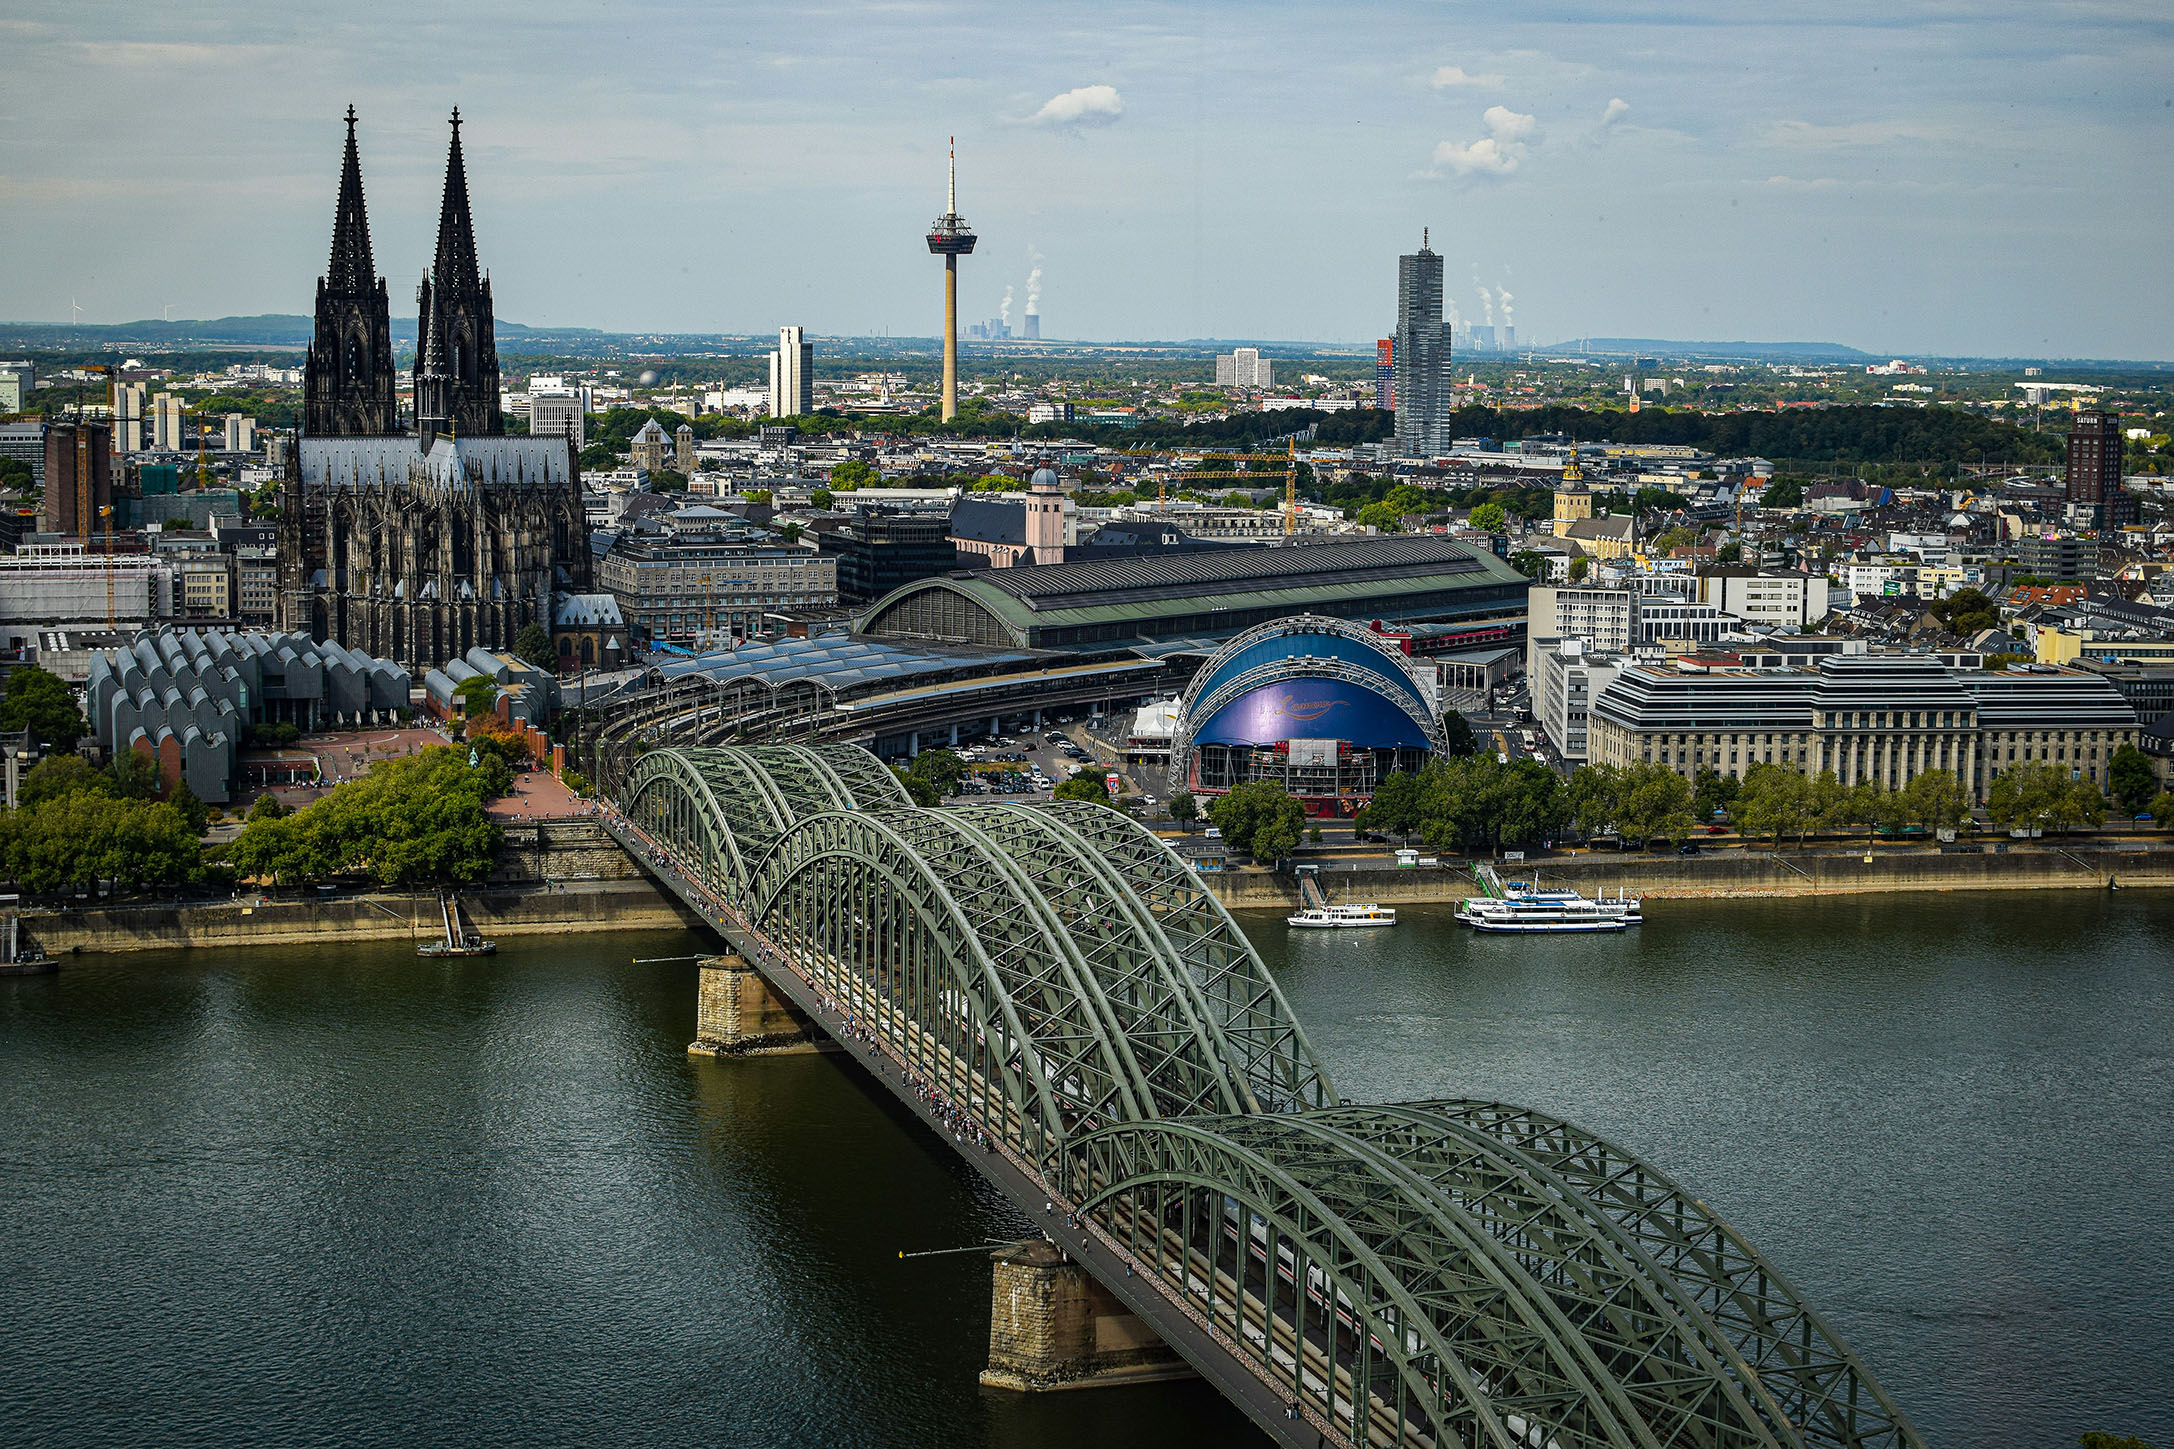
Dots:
(166, 415)
(1244, 367)
(792, 374)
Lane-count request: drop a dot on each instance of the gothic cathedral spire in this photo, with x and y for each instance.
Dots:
(347, 386)
(456, 345)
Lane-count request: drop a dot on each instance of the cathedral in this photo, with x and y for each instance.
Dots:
(418, 547)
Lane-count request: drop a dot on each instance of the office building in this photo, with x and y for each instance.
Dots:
(881, 549)
(16, 383)
(1777, 600)
(2062, 559)
(792, 375)
(78, 478)
(1565, 676)
(703, 586)
(1244, 367)
(1385, 373)
(2093, 479)
(1422, 354)
(1870, 718)
(241, 433)
(167, 412)
(25, 442)
(558, 415)
(129, 411)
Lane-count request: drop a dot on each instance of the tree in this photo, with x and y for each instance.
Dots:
(1394, 810)
(533, 646)
(1731, 552)
(44, 704)
(820, 498)
(1490, 518)
(1716, 792)
(58, 775)
(1775, 799)
(931, 776)
(851, 475)
(1782, 493)
(1966, 612)
(1086, 789)
(1937, 799)
(1380, 516)
(1183, 807)
(2096, 1440)
(78, 839)
(268, 807)
(1259, 818)
(193, 810)
(1580, 566)
(1674, 539)
(2162, 807)
(1457, 734)
(2132, 779)
(1529, 562)
(133, 776)
(478, 696)
(414, 821)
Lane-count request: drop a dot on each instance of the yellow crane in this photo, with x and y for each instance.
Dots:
(1288, 458)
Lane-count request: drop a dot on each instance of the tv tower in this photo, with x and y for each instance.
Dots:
(949, 238)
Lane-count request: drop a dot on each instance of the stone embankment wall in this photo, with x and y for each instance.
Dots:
(1736, 873)
(614, 906)
(561, 850)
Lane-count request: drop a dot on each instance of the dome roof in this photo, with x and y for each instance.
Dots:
(1045, 477)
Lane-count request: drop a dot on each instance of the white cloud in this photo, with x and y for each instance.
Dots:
(1455, 77)
(1618, 108)
(1498, 153)
(1083, 106)
(1506, 124)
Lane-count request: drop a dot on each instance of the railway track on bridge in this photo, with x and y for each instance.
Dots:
(1056, 992)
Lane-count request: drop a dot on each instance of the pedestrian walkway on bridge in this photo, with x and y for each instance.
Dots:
(1054, 990)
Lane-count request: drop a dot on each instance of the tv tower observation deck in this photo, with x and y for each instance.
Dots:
(950, 238)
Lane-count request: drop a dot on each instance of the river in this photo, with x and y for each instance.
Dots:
(343, 1196)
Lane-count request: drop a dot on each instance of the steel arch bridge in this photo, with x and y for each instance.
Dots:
(1431, 1273)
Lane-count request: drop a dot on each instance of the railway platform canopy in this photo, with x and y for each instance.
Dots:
(1405, 578)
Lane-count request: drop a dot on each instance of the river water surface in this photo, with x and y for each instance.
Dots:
(344, 1196)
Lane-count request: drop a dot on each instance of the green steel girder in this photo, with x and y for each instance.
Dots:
(1065, 980)
(1269, 1047)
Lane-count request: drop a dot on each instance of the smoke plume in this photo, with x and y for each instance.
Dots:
(1004, 309)
(1034, 291)
(1503, 299)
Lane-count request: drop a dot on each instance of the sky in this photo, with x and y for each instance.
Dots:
(1929, 178)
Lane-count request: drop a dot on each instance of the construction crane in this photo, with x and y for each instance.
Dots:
(1288, 458)
(106, 512)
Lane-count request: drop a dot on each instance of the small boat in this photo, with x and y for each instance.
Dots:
(1316, 913)
(1342, 918)
(458, 941)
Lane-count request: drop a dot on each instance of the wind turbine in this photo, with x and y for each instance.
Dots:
(75, 313)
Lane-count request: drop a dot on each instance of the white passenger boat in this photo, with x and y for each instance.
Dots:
(1521, 908)
(1342, 918)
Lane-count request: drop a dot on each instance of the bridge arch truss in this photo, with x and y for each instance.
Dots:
(1429, 1274)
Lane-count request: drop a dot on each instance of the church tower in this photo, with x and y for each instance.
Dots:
(347, 380)
(456, 344)
(1573, 500)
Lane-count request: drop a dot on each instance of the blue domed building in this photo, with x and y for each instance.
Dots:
(1324, 707)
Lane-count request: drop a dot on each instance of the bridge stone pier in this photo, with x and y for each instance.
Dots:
(1056, 993)
(738, 1015)
(1052, 1326)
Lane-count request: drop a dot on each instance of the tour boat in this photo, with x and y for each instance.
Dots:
(1522, 908)
(1342, 918)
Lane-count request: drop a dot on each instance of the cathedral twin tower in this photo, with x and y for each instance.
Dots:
(348, 380)
(420, 547)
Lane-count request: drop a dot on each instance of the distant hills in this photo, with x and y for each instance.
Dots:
(273, 329)
(1752, 351)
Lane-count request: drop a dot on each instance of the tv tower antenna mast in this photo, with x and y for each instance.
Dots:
(950, 238)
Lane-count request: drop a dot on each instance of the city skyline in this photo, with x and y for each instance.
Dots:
(1906, 185)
